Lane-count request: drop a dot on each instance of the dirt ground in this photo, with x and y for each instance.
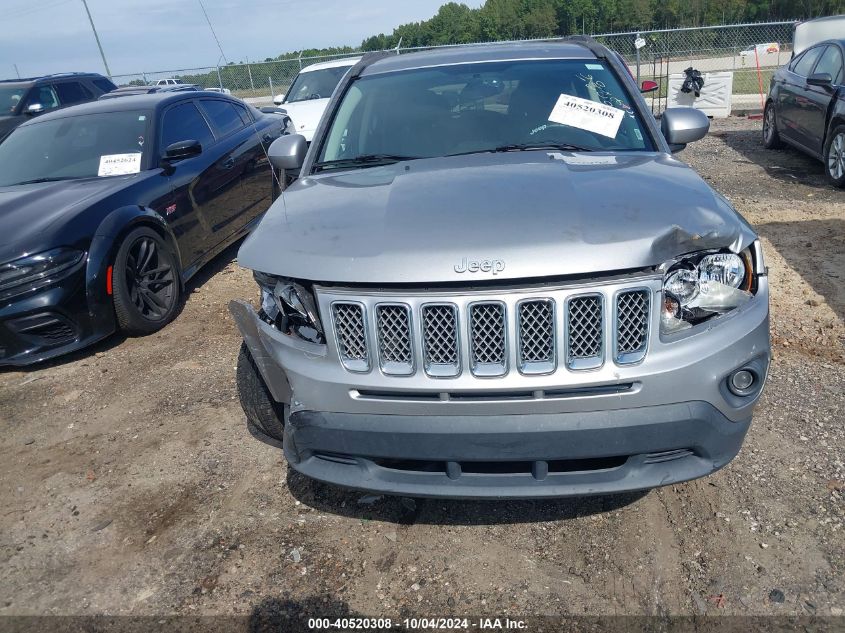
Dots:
(131, 486)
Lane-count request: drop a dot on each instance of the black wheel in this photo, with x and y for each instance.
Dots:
(834, 156)
(262, 411)
(145, 283)
(771, 138)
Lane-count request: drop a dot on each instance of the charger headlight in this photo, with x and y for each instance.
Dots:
(703, 285)
(37, 271)
(290, 306)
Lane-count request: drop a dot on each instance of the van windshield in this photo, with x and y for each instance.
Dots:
(315, 84)
(484, 107)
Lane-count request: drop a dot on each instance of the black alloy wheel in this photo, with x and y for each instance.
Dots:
(146, 282)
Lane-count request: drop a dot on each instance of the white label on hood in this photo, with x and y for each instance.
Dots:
(587, 115)
(119, 164)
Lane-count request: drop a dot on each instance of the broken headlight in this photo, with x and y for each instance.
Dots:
(290, 307)
(703, 285)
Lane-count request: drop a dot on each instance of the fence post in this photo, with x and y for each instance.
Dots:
(638, 58)
(249, 71)
(272, 92)
(219, 79)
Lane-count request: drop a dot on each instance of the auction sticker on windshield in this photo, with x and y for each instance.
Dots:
(119, 164)
(587, 115)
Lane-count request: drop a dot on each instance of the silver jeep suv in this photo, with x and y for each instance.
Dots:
(491, 278)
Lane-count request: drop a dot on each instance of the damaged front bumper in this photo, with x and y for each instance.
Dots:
(618, 428)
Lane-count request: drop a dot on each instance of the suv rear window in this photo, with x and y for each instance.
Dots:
(104, 84)
(73, 92)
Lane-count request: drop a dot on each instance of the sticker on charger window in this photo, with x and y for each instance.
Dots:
(587, 115)
(119, 164)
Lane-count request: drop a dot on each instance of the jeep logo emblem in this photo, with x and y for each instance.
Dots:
(494, 266)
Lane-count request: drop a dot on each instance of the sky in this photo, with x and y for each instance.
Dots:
(150, 35)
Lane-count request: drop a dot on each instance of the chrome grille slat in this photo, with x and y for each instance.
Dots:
(585, 331)
(632, 319)
(440, 340)
(394, 339)
(536, 336)
(488, 339)
(351, 335)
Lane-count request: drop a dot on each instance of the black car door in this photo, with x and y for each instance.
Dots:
(820, 97)
(246, 171)
(792, 101)
(195, 181)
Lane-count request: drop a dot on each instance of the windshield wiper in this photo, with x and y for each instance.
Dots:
(525, 147)
(365, 160)
(49, 179)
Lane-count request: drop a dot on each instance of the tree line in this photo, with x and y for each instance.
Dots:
(457, 23)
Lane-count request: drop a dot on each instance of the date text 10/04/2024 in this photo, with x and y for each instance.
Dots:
(481, 624)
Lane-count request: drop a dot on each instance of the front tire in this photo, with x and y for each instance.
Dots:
(771, 137)
(145, 279)
(262, 411)
(834, 156)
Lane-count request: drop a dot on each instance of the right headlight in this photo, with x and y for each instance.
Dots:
(290, 306)
(703, 285)
(37, 271)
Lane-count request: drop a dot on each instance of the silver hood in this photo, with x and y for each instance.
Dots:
(516, 215)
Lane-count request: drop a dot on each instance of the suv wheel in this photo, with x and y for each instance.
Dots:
(834, 156)
(262, 411)
(771, 138)
(146, 283)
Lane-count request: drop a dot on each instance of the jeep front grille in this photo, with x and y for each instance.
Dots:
(533, 332)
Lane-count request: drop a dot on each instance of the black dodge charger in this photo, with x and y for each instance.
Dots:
(108, 208)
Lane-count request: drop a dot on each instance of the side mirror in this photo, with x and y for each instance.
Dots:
(683, 125)
(279, 100)
(182, 150)
(820, 79)
(649, 86)
(288, 152)
(34, 108)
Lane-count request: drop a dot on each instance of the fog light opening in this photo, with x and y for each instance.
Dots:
(742, 382)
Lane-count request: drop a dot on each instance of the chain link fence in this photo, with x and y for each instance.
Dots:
(663, 53)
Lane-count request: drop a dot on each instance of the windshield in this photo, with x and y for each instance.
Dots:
(101, 144)
(10, 97)
(486, 107)
(315, 84)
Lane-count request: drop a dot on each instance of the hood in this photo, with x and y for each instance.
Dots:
(306, 115)
(29, 213)
(492, 216)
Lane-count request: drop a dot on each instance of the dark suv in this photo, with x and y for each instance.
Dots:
(21, 99)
